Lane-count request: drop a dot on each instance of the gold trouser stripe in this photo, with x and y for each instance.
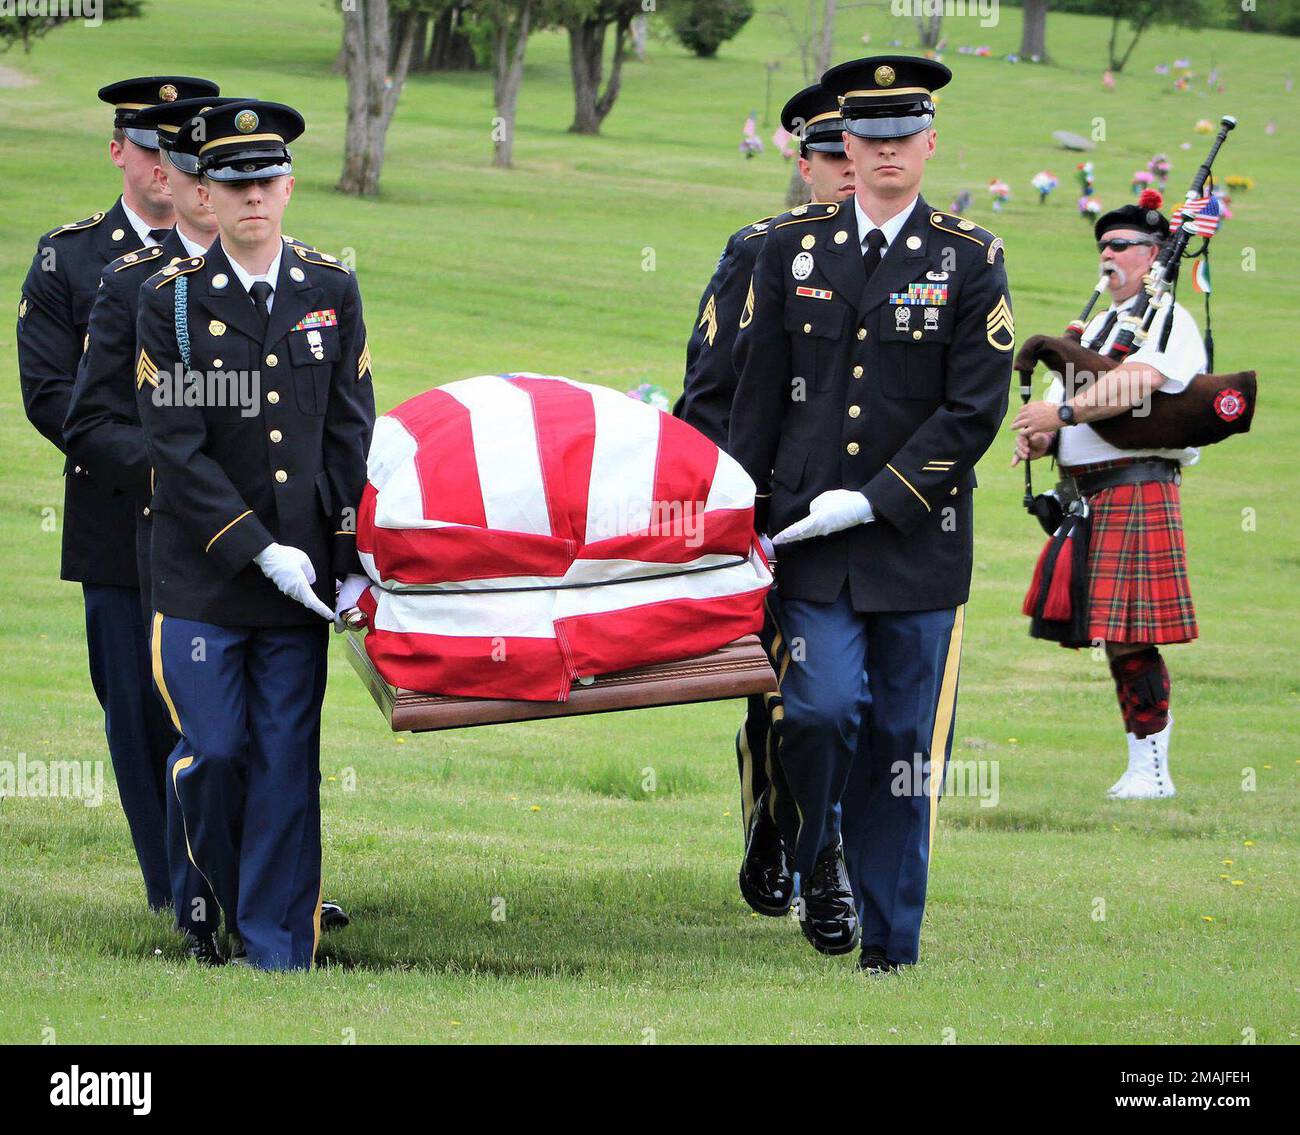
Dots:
(227, 528)
(184, 763)
(909, 485)
(943, 715)
(159, 680)
(181, 764)
(315, 924)
(746, 774)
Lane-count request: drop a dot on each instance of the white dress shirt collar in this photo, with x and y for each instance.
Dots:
(891, 228)
(191, 247)
(140, 225)
(271, 276)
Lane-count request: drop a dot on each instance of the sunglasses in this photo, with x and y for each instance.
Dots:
(1120, 243)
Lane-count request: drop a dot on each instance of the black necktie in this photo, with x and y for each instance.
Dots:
(261, 292)
(872, 255)
(158, 235)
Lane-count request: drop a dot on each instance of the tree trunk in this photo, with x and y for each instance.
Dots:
(640, 26)
(419, 45)
(450, 49)
(586, 63)
(798, 192)
(827, 46)
(1033, 30)
(508, 58)
(372, 91)
(928, 29)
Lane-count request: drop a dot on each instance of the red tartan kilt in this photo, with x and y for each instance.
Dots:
(1137, 566)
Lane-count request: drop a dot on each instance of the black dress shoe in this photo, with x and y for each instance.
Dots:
(829, 919)
(765, 877)
(873, 961)
(332, 917)
(204, 949)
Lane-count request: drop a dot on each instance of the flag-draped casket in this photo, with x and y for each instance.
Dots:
(524, 531)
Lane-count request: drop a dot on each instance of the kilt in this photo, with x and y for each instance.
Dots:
(1137, 564)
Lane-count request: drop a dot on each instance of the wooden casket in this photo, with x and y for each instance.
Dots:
(736, 670)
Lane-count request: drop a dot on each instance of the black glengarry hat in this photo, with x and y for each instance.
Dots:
(1144, 217)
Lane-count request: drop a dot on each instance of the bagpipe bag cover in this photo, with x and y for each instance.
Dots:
(523, 531)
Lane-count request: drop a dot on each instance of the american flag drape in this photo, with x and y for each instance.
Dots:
(524, 531)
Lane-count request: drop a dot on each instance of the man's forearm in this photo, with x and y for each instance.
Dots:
(1116, 391)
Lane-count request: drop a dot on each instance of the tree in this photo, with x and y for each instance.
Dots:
(509, 21)
(1141, 15)
(814, 36)
(929, 25)
(1033, 29)
(373, 89)
(703, 26)
(26, 29)
(587, 22)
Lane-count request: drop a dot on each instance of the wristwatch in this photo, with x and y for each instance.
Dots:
(1066, 413)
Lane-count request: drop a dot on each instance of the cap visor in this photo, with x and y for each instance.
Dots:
(186, 163)
(248, 171)
(888, 127)
(146, 139)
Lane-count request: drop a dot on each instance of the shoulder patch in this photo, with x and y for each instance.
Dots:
(135, 259)
(816, 211)
(75, 226)
(174, 271)
(756, 228)
(960, 226)
(316, 256)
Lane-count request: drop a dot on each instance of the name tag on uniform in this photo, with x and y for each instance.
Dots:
(921, 295)
(814, 293)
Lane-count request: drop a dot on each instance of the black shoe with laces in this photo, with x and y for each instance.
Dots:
(874, 961)
(829, 918)
(332, 917)
(766, 880)
(204, 949)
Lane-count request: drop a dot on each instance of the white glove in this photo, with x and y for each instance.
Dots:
(291, 571)
(832, 511)
(766, 545)
(350, 591)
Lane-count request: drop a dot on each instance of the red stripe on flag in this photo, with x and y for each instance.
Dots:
(684, 465)
(565, 421)
(530, 669)
(663, 632)
(444, 460)
(447, 555)
(724, 531)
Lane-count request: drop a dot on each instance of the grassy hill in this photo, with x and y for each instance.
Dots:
(621, 910)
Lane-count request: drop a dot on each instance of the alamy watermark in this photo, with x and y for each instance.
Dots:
(89, 12)
(75, 780)
(986, 10)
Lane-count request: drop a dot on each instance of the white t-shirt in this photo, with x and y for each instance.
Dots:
(1182, 360)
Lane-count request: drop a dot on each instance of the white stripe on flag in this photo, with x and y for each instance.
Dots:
(517, 615)
(747, 576)
(731, 487)
(505, 450)
(625, 452)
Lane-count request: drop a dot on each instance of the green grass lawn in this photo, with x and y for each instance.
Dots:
(622, 921)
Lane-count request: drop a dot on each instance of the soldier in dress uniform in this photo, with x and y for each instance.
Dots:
(254, 389)
(1139, 597)
(813, 117)
(103, 432)
(98, 513)
(873, 376)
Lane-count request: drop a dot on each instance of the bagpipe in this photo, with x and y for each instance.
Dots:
(1211, 408)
